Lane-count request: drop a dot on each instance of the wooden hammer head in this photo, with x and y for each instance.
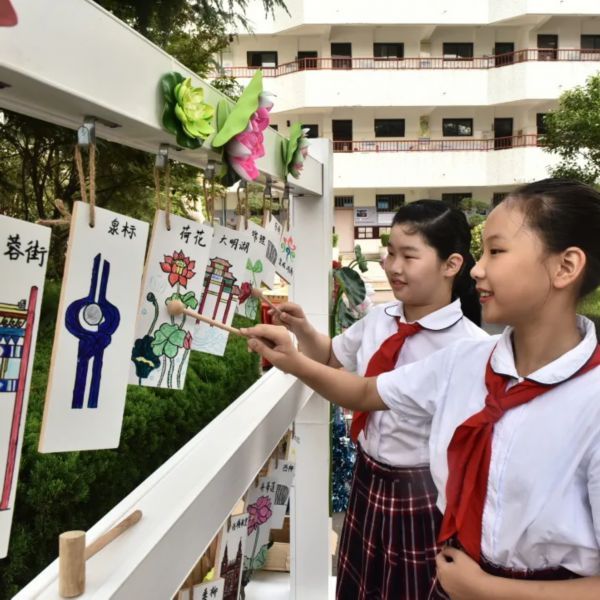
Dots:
(71, 564)
(175, 307)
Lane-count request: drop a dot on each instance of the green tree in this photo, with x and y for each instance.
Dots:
(573, 132)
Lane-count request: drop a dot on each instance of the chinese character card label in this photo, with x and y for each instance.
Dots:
(95, 329)
(265, 247)
(175, 267)
(226, 283)
(230, 555)
(287, 256)
(23, 258)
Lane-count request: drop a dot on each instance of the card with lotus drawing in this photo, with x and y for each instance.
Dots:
(176, 262)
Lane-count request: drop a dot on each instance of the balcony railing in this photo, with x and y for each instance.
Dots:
(445, 145)
(395, 64)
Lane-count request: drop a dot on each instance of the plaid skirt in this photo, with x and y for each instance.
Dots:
(556, 574)
(388, 544)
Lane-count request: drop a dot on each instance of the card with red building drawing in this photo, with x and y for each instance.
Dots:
(227, 283)
(23, 259)
(175, 264)
(95, 329)
(230, 555)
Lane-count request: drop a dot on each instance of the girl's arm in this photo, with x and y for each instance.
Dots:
(463, 579)
(339, 387)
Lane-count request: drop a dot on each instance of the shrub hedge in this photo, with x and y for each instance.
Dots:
(59, 492)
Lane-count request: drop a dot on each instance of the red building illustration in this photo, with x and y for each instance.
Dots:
(231, 573)
(220, 290)
(16, 330)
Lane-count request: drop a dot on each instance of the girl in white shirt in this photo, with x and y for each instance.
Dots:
(389, 540)
(515, 436)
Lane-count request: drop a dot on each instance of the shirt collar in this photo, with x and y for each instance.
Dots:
(565, 366)
(440, 319)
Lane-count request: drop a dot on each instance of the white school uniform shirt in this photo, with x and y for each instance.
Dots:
(389, 438)
(542, 507)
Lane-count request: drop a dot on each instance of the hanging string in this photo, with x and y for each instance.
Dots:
(285, 205)
(65, 215)
(266, 211)
(209, 200)
(167, 192)
(92, 179)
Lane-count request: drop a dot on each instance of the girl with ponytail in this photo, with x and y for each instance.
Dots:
(389, 540)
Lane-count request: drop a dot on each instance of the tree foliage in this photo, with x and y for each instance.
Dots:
(573, 132)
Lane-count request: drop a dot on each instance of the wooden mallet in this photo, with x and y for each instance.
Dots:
(72, 554)
(177, 307)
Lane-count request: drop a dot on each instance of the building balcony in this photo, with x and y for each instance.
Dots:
(439, 163)
(517, 77)
(307, 16)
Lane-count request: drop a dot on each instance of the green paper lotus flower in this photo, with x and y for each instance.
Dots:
(185, 114)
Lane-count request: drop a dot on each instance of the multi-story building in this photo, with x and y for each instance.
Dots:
(435, 99)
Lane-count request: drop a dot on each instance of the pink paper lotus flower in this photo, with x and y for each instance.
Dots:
(246, 147)
(259, 512)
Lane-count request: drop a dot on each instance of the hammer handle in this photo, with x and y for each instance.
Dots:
(110, 535)
(192, 313)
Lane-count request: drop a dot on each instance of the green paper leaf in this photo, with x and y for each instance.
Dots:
(240, 115)
(352, 284)
(169, 121)
(360, 259)
(187, 142)
(258, 267)
(292, 146)
(249, 265)
(168, 83)
(345, 317)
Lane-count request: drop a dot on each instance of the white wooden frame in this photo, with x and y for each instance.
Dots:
(77, 60)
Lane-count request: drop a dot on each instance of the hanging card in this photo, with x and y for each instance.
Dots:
(176, 263)
(95, 330)
(23, 260)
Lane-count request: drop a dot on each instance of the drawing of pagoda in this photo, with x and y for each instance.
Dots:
(13, 318)
(231, 573)
(220, 290)
(16, 331)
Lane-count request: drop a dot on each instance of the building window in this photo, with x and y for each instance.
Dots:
(457, 51)
(307, 59)
(275, 127)
(590, 44)
(498, 197)
(389, 127)
(457, 127)
(262, 59)
(366, 233)
(454, 199)
(344, 201)
(313, 130)
(384, 51)
(388, 202)
(540, 124)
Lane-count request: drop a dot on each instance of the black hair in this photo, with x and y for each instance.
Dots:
(447, 230)
(564, 213)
